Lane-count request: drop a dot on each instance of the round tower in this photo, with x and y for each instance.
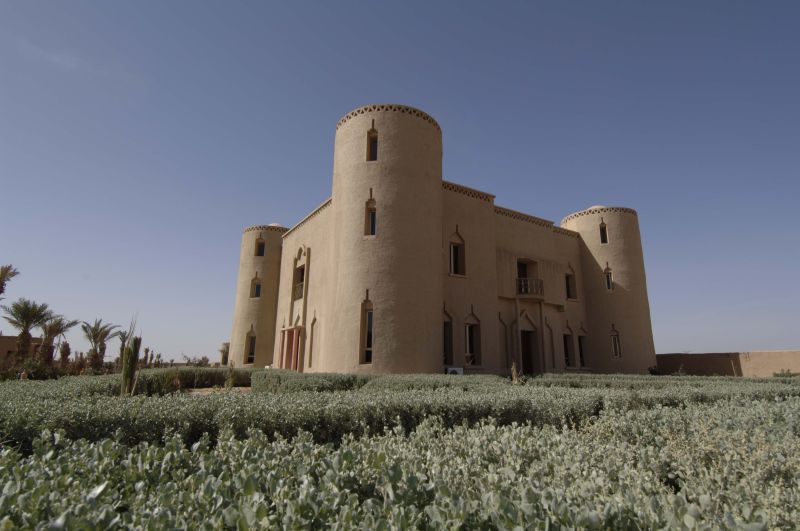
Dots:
(253, 335)
(387, 230)
(620, 337)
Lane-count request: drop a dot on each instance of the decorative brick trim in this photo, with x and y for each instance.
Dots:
(313, 213)
(598, 211)
(519, 216)
(276, 228)
(566, 232)
(469, 192)
(388, 107)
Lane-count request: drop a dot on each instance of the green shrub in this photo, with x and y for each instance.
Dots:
(286, 381)
(730, 465)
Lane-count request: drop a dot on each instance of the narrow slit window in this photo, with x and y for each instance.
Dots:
(616, 346)
(371, 221)
(372, 145)
(603, 233)
(251, 349)
(255, 289)
(261, 247)
(582, 350)
(568, 354)
(448, 342)
(609, 281)
(473, 344)
(367, 337)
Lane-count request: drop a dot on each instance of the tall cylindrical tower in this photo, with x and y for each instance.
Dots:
(620, 337)
(387, 230)
(253, 335)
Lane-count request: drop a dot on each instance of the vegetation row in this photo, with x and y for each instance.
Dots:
(728, 465)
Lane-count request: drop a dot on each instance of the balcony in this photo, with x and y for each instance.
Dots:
(530, 286)
(297, 291)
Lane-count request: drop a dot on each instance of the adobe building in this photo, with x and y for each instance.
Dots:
(403, 272)
(753, 364)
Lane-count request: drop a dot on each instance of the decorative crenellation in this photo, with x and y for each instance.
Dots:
(519, 216)
(566, 232)
(469, 192)
(313, 213)
(598, 210)
(388, 107)
(276, 228)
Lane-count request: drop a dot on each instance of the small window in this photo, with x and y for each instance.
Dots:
(582, 350)
(255, 289)
(299, 282)
(457, 266)
(572, 289)
(261, 247)
(448, 341)
(568, 350)
(251, 348)
(473, 343)
(372, 145)
(603, 233)
(367, 323)
(616, 346)
(609, 280)
(371, 220)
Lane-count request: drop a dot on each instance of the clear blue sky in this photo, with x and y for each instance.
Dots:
(137, 139)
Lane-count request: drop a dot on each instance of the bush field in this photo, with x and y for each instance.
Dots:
(403, 452)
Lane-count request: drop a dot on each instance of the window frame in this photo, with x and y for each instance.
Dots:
(251, 348)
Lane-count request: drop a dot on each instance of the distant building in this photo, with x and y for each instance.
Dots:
(401, 272)
(748, 364)
(8, 345)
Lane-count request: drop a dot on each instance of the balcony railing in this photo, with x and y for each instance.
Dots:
(297, 291)
(530, 286)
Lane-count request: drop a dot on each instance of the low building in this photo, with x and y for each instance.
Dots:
(8, 345)
(400, 271)
(749, 364)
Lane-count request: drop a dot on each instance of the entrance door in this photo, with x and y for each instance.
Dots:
(530, 352)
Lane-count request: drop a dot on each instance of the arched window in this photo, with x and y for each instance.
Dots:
(458, 264)
(370, 218)
(571, 284)
(255, 288)
(250, 347)
(367, 336)
(372, 145)
(603, 233)
(616, 344)
(472, 340)
(447, 339)
(261, 247)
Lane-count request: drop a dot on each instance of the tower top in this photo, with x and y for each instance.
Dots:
(388, 107)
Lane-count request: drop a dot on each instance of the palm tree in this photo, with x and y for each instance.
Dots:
(122, 335)
(24, 315)
(7, 272)
(97, 334)
(52, 329)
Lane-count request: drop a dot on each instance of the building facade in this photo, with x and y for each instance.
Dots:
(403, 272)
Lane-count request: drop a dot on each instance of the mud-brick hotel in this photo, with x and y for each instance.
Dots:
(400, 271)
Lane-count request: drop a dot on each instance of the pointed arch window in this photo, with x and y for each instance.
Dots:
(250, 347)
(447, 339)
(370, 218)
(255, 288)
(472, 340)
(616, 344)
(372, 145)
(367, 332)
(458, 265)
